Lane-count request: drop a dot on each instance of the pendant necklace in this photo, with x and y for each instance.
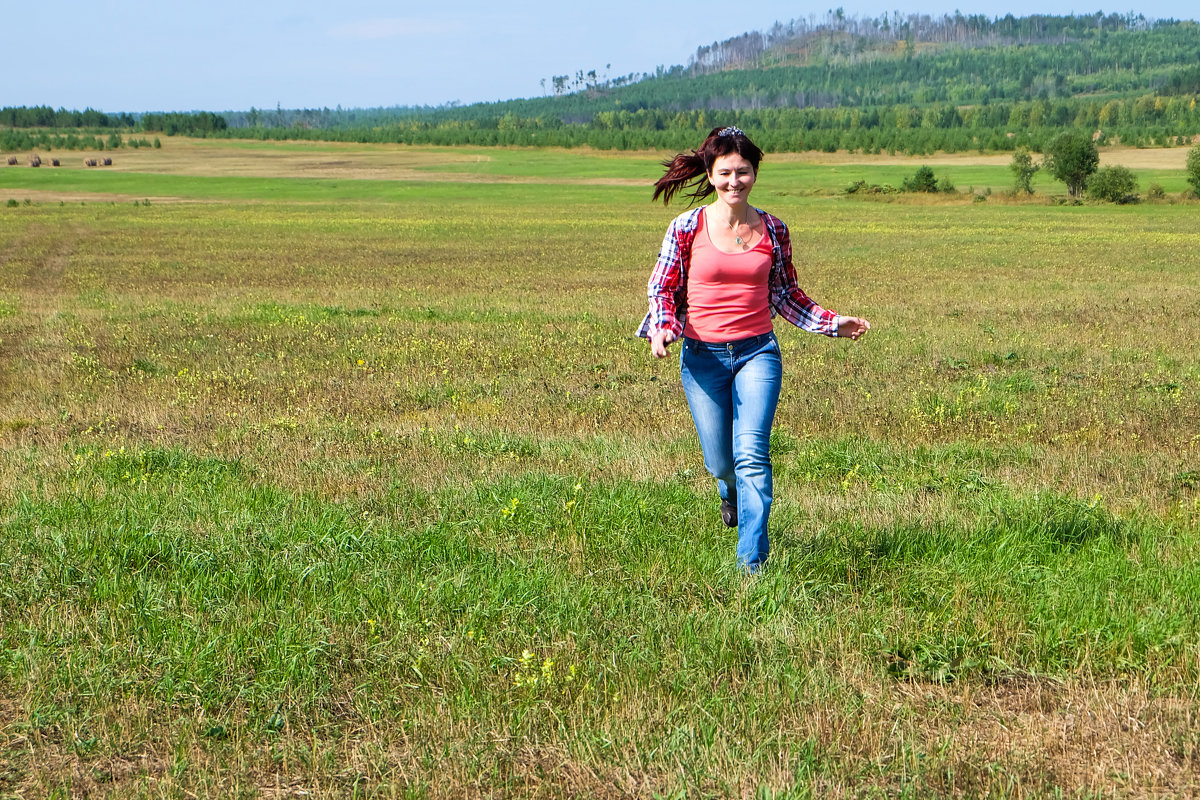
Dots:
(736, 238)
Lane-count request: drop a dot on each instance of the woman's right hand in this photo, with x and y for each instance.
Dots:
(659, 342)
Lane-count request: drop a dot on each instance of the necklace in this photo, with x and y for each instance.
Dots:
(733, 226)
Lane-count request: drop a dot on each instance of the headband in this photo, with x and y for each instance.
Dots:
(731, 131)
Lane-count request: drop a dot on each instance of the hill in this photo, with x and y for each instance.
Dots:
(913, 84)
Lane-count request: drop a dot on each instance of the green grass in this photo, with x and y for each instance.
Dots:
(783, 175)
(375, 495)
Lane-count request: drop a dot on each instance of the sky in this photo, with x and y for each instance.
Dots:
(231, 55)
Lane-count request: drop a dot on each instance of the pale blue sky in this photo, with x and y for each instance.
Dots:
(220, 55)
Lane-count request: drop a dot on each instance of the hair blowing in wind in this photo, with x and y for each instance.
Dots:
(694, 167)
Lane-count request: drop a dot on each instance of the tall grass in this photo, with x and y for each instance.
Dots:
(381, 498)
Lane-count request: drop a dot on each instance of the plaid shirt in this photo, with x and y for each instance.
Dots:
(667, 288)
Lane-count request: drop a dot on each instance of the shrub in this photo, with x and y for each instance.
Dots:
(862, 187)
(1115, 184)
(1155, 191)
(921, 181)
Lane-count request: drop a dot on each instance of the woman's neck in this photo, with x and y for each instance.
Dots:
(730, 215)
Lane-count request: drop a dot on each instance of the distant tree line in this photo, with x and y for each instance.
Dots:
(46, 117)
(199, 123)
(45, 139)
(1143, 121)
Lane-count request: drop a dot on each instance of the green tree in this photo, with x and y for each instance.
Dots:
(1115, 184)
(1071, 158)
(1023, 170)
(1193, 168)
(921, 181)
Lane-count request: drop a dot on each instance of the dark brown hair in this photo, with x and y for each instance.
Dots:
(685, 168)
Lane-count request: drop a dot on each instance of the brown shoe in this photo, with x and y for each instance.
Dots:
(729, 513)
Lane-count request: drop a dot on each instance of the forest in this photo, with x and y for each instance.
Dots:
(912, 84)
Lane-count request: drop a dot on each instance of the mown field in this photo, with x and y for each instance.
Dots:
(336, 471)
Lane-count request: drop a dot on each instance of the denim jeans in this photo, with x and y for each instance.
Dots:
(732, 390)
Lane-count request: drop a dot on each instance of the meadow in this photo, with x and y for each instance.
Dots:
(337, 471)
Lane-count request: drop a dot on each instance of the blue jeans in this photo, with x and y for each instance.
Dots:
(732, 390)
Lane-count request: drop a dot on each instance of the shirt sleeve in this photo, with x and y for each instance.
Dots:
(665, 286)
(787, 298)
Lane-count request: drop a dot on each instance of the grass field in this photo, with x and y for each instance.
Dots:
(336, 471)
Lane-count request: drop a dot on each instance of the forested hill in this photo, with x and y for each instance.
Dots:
(894, 83)
(910, 84)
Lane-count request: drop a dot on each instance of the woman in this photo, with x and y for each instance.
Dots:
(724, 271)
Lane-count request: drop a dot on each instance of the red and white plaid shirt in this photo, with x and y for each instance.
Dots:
(667, 289)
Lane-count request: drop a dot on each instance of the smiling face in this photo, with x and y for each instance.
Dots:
(733, 177)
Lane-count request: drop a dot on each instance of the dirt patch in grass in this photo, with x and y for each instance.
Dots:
(324, 160)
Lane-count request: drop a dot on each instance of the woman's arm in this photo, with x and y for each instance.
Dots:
(666, 287)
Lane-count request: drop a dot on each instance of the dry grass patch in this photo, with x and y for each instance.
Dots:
(1020, 737)
(325, 160)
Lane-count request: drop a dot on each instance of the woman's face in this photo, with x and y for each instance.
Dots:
(733, 178)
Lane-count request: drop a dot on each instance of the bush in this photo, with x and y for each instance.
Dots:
(1115, 184)
(862, 187)
(1155, 191)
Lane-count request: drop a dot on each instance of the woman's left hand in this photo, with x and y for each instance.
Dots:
(852, 327)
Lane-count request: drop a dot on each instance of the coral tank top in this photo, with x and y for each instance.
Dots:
(727, 293)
